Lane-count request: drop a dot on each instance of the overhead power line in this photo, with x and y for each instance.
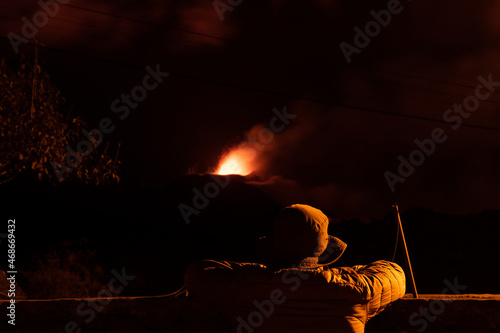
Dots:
(100, 12)
(268, 92)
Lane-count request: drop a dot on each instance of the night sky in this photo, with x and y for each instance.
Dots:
(351, 119)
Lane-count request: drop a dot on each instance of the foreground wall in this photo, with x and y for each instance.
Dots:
(430, 313)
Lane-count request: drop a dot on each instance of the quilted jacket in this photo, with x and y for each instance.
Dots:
(254, 298)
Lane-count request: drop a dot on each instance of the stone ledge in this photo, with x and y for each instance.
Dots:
(429, 313)
(440, 313)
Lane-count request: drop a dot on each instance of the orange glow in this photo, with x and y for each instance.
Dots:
(236, 162)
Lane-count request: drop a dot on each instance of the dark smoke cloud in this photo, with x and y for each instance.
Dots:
(427, 59)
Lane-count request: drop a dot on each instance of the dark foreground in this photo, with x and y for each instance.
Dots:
(432, 313)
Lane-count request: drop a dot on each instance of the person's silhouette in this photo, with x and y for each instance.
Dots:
(292, 290)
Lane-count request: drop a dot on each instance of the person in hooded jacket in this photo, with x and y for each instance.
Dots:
(293, 289)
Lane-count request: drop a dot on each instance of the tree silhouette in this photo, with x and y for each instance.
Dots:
(34, 134)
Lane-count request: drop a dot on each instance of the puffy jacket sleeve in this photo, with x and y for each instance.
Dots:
(215, 280)
(386, 283)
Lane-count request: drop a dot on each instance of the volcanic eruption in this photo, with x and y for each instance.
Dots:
(238, 161)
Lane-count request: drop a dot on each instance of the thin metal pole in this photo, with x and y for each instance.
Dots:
(405, 249)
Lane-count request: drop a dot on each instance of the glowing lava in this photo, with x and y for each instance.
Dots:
(236, 162)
